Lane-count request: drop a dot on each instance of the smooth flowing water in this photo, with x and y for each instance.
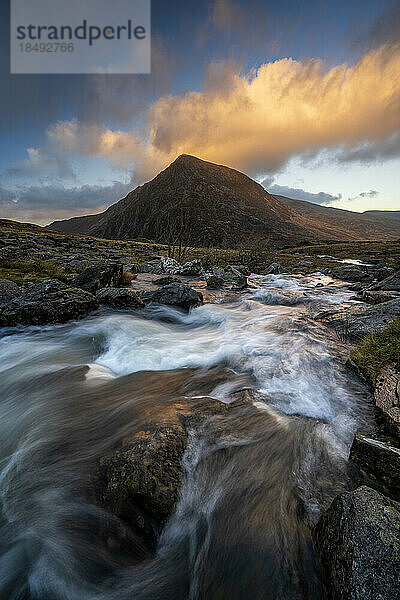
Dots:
(255, 481)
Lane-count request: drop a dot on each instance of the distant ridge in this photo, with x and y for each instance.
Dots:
(213, 205)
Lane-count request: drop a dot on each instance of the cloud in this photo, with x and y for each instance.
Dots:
(43, 163)
(370, 194)
(259, 120)
(42, 204)
(298, 193)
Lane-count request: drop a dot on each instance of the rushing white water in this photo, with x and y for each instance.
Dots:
(267, 334)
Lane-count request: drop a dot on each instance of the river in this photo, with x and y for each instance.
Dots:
(253, 487)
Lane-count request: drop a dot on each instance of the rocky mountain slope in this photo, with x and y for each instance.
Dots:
(197, 202)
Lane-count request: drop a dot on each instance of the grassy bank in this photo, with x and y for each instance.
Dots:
(26, 271)
(377, 350)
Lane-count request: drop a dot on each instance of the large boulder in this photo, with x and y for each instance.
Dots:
(387, 397)
(377, 457)
(356, 321)
(119, 298)
(97, 277)
(49, 301)
(359, 541)
(352, 273)
(175, 294)
(377, 296)
(391, 283)
(8, 291)
(139, 482)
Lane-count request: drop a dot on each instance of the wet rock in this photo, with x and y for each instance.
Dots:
(49, 301)
(235, 277)
(377, 457)
(193, 268)
(387, 397)
(8, 291)
(167, 280)
(97, 277)
(391, 283)
(274, 269)
(140, 481)
(175, 294)
(355, 322)
(214, 282)
(377, 296)
(351, 273)
(119, 298)
(359, 541)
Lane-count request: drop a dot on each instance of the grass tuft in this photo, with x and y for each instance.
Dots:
(377, 350)
(26, 271)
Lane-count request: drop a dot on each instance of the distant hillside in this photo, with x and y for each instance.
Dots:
(204, 204)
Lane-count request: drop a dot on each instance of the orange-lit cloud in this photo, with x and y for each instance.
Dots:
(258, 121)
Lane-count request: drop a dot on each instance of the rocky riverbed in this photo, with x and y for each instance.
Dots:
(186, 430)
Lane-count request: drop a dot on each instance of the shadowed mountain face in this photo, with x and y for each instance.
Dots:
(203, 204)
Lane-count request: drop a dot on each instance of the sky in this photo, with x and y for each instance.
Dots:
(302, 96)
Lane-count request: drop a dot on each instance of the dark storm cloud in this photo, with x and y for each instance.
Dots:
(47, 203)
(298, 193)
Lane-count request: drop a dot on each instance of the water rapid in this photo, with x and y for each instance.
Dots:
(255, 482)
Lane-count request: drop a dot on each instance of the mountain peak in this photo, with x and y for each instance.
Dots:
(215, 205)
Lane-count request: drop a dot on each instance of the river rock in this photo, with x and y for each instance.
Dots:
(351, 273)
(387, 397)
(119, 298)
(49, 301)
(274, 268)
(378, 296)
(175, 294)
(359, 320)
(8, 291)
(378, 458)
(214, 282)
(235, 277)
(193, 268)
(97, 277)
(140, 481)
(391, 283)
(359, 541)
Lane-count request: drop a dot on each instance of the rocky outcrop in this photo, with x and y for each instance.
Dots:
(377, 297)
(391, 283)
(359, 541)
(8, 291)
(175, 294)
(49, 301)
(119, 298)
(377, 457)
(387, 397)
(97, 277)
(352, 273)
(355, 322)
